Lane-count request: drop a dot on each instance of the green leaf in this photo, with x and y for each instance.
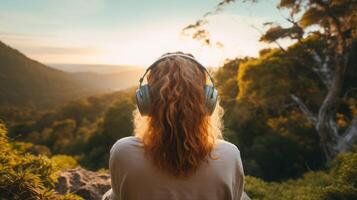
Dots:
(311, 17)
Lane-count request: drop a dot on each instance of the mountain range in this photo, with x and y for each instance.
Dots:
(27, 82)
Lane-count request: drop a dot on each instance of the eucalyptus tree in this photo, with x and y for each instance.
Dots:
(333, 22)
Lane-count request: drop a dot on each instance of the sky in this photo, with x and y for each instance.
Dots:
(128, 32)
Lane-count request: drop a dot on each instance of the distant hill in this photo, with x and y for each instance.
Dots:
(94, 68)
(26, 82)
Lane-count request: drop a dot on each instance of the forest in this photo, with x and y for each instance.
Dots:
(291, 111)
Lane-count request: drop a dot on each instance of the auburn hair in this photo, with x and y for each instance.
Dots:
(178, 134)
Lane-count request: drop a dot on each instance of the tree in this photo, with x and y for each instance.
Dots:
(226, 82)
(275, 139)
(334, 23)
(117, 123)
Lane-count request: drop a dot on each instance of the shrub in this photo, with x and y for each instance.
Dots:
(337, 183)
(64, 162)
(26, 176)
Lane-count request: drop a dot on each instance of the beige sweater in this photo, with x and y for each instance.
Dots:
(134, 177)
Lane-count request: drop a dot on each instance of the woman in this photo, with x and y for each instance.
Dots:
(177, 152)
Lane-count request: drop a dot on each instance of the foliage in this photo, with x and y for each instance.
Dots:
(337, 183)
(32, 148)
(226, 82)
(275, 139)
(64, 162)
(25, 176)
(85, 128)
(265, 81)
(117, 123)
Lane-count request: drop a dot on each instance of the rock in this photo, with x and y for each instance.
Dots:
(89, 185)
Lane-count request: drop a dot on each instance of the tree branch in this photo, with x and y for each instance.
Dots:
(308, 114)
(349, 137)
(323, 69)
(347, 93)
(275, 41)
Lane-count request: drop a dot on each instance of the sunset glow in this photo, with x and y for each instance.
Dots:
(106, 32)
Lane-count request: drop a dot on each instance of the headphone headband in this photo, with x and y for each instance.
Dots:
(176, 54)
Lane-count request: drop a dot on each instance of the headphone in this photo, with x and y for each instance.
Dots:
(143, 98)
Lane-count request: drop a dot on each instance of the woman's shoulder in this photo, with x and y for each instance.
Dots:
(230, 153)
(126, 143)
(227, 148)
(227, 145)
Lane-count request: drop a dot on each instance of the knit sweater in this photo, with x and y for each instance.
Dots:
(135, 177)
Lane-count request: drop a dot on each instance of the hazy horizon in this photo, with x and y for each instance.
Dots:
(93, 68)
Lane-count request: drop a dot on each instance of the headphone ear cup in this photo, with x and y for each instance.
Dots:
(211, 97)
(143, 99)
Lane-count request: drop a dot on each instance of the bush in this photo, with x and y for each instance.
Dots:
(64, 162)
(26, 176)
(337, 183)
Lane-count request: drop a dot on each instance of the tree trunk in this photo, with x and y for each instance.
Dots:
(331, 141)
(326, 124)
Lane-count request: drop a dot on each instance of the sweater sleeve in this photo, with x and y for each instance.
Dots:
(238, 186)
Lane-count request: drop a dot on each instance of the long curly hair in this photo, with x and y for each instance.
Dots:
(178, 134)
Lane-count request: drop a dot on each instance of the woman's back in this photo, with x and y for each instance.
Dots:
(135, 177)
(177, 151)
